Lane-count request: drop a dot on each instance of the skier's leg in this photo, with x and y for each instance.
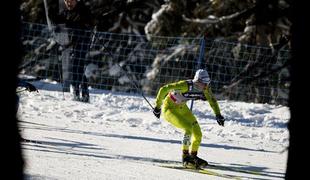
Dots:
(186, 142)
(75, 74)
(181, 117)
(82, 78)
(185, 146)
(85, 91)
(191, 127)
(196, 137)
(196, 141)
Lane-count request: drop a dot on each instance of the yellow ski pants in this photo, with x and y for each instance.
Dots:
(180, 116)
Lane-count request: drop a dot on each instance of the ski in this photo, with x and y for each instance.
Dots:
(201, 171)
(235, 169)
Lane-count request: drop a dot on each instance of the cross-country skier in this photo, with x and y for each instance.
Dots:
(171, 101)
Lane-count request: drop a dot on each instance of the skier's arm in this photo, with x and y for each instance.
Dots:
(164, 90)
(212, 101)
(215, 106)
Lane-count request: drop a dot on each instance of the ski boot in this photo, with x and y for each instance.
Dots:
(187, 160)
(193, 161)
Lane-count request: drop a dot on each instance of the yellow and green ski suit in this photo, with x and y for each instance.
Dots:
(173, 104)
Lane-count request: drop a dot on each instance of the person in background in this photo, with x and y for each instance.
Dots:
(79, 21)
(171, 101)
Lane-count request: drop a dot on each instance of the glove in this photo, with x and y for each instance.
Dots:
(31, 87)
(157, 112)
(220, 120)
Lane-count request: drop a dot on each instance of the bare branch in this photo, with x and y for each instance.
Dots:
(215, 20)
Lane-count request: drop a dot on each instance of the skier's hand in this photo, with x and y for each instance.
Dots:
(157, 112)
(31, 87)
(220, 120)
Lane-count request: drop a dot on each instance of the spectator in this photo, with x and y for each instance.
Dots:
(78, 19)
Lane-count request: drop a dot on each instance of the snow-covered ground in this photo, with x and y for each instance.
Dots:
(116, 136)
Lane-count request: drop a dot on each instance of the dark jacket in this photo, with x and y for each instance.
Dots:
(79, 18)
(79, 21)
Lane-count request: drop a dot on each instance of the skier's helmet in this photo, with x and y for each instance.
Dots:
(202, 76)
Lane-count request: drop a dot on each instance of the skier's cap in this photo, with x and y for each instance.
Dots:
(202, 76)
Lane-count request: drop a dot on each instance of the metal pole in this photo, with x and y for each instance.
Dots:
(199, 60)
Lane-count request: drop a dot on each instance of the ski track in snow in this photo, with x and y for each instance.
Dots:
(116, 136)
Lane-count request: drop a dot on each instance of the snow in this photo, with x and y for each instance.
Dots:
(116, 136)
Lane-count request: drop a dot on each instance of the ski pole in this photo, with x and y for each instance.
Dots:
(131, 80)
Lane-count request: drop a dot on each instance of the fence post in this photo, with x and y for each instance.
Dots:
(199, 59)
